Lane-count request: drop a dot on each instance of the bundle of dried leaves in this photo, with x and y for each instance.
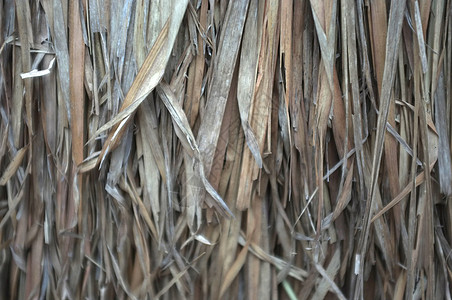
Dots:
(278, 149)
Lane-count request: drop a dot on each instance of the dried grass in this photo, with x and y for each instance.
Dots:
(225, 150)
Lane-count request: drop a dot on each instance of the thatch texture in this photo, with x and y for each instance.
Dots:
(278, 149)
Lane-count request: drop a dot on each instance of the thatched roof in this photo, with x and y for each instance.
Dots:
(244, 149)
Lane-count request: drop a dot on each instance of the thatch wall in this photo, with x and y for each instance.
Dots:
(211, 149)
